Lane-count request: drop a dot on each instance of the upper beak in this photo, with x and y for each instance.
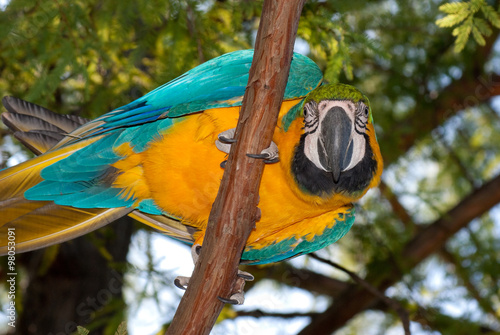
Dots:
(336, 141)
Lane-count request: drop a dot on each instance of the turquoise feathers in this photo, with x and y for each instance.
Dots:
(221, 82)
(292, 247)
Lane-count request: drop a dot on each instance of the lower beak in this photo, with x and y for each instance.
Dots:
(335, 140)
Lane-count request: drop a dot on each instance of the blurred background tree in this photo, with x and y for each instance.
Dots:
(429, 237)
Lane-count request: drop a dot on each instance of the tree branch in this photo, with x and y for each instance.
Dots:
(427, 241)
(396, 306)
(305, 279)
(473, 88)
(234, 211)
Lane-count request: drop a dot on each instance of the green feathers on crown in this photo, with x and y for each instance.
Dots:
(337, 92)
(327, 92)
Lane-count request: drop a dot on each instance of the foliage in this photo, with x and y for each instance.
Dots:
(430, 91)
(464, 15)
(122, 329)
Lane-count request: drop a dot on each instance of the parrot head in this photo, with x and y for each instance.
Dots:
(338, 151)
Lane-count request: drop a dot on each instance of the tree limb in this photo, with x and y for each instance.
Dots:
(476, 86)
(396, 306)
(305, 279)
(234, 211)
(425, 242)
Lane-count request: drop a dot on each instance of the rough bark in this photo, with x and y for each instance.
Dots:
(354, 299)
(234, 211)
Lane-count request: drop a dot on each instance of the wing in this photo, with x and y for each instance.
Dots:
(38, 128)
(43, 223)
(220, 82)
(293, 246)
(73, 180)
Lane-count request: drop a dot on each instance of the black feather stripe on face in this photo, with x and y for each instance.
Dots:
(318, 182)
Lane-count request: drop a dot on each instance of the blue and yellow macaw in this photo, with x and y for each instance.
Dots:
(158, 159)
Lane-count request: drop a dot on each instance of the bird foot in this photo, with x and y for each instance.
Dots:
(238, 296)
(269, 155)
(181, 281)
(226, 139)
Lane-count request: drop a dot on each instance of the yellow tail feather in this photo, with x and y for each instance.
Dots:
(17, 179)
(42, 223)
(48, 223)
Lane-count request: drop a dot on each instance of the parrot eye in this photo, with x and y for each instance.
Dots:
(363, 112)
(310, 116)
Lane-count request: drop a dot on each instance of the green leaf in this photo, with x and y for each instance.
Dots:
(454, 7)
(475, 5)
(482, 26)
(491, 15)
(452, 19)
(463, 33)
(477, 36)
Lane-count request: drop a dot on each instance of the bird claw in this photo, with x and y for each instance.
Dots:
(181, 282)
(226, 138)
(247, 276)
(264, 157)
(269, 155)
(238, 297)
(235, 299)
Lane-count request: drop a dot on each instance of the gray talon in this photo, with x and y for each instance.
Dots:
(235, 299)
(181, 282)
(195, 252)
(245, 275)
(258, 156)
(270, 155)
(225, 140)
(271, 161)
(238, 296)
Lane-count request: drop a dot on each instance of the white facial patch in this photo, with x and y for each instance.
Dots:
(313, 118)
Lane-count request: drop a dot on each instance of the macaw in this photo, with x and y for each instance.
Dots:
(158, 159)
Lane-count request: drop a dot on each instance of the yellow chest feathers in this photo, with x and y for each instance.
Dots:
(181, 172)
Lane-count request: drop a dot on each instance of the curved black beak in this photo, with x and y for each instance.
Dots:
(335, 141)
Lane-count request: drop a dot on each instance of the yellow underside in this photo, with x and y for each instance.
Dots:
(181, 172)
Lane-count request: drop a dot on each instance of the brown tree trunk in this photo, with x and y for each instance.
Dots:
(234, 211)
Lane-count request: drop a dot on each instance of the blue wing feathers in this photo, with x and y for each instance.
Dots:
(220, 82)
(292, 247)
(79, 180)
(149, 206)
